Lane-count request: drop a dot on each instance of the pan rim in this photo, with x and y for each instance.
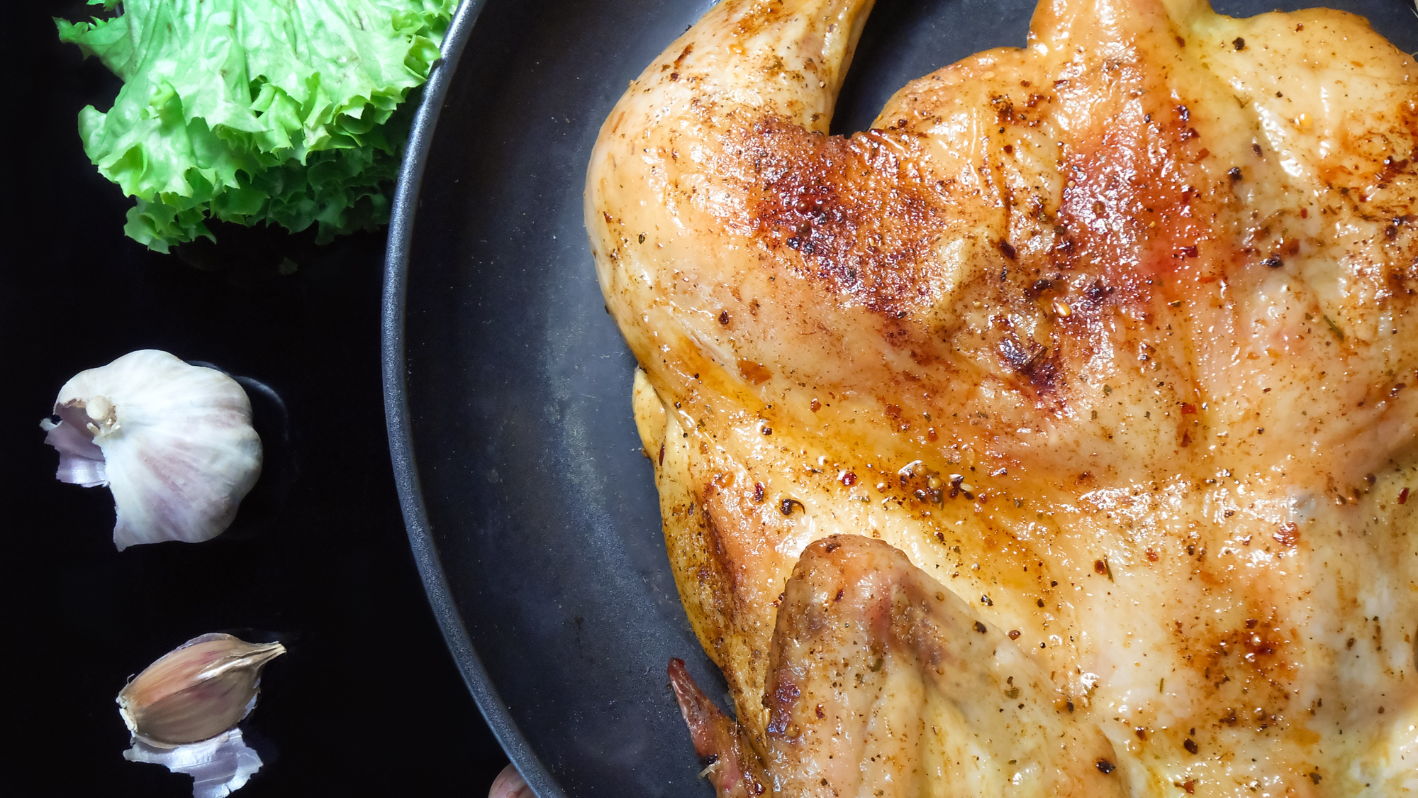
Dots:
(393, 310)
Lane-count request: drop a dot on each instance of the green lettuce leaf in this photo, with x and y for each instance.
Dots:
(280, 111)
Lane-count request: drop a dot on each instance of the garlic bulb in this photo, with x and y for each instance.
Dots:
(172, 441)
(195, 692)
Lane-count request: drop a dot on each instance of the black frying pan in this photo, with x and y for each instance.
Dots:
(530, 509)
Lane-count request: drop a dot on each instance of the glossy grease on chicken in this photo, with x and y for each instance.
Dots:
(1108, 341)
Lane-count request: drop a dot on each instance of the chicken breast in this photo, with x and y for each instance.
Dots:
(1086, 367)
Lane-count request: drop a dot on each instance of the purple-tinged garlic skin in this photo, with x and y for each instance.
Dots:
(80, 459)
(172, 441)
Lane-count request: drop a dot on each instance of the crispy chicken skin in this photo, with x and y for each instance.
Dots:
(883, 682)
(1107, 340)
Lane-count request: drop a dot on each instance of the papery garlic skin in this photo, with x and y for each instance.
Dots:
(173, 442)
(218, 766)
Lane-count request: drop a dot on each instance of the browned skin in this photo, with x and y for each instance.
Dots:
(866, 641)
(1111, 336)
(732, 766)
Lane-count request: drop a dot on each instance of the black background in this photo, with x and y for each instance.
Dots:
(367, 701)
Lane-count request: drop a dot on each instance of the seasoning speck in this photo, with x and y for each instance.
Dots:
(1288, 534)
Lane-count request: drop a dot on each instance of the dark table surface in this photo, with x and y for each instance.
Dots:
(368, 700)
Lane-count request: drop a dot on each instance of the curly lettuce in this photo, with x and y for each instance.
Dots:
(250, 111)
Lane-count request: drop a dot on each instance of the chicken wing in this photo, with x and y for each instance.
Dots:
(882, 682)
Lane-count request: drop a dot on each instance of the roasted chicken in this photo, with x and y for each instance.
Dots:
(1052, 437)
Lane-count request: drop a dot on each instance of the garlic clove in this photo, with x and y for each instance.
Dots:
(195, 692)
(172, 441)
(510, 784)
